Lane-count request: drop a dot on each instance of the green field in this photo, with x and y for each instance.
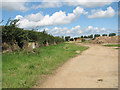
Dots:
(113, 45)
(22, 70)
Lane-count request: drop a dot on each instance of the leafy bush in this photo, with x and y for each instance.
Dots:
(83, 39)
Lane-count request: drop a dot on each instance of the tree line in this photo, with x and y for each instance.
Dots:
(11, 34)
(68, 38)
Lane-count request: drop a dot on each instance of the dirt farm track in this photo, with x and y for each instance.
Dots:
(96, 67)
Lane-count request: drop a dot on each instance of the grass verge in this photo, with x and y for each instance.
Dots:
(87, 41)
(22, 71)
(113, 45)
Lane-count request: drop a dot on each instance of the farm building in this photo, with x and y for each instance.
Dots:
(79, 39)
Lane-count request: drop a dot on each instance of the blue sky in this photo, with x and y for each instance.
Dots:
(62, 19)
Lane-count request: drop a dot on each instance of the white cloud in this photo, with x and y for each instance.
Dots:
(46, 29)
(90, 3)
(57, 18)
(96, 29)
(18, 17)
(110, 12)
(77, 31)
(84, 3)
(103, 29)
(64, 31)
(76, 27)
(18, 5)
(48, 4)
(90, 27)
(34, 17)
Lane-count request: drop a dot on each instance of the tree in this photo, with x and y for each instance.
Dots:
(12, 34)
(78, 37)
(75, 38)
(58, 40)
(71, 39)
(67, 38)
(62, 37)
(44, 32)
(81, 36)
(112, 34)
(104, 35)
(85, 37)
(96, 35)
(8, 21)
(14, 22)
(1, 21)
(91, 36)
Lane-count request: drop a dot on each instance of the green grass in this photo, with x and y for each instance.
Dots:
(22, 71)
(117, 48)
(113, 45)
(0, 72)
(87, 41)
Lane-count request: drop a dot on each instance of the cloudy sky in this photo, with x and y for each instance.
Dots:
(63, 18)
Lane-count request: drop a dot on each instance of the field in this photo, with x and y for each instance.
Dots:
(22, 70)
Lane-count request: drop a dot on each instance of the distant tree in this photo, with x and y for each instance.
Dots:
(85, 37)
(81, 36)
(67, 38)
(62, 37)
(104, 35)
(71, 39)
(44, 32)
(96, 35)
(112, 34)
(91, 36)
(75, 38)
(58, 40)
